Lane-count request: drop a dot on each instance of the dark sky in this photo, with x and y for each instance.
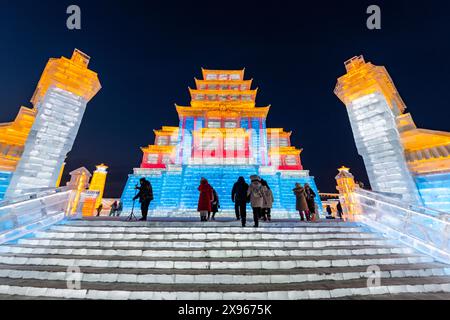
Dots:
(147, 53)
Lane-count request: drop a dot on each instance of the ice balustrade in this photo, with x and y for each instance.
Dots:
(425, 229)
(27, 214)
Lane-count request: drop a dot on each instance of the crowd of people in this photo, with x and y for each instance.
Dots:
(258, 194)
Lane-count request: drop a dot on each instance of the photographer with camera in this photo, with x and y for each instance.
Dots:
(145, 196)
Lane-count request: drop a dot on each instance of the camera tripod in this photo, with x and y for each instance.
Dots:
(132, 216)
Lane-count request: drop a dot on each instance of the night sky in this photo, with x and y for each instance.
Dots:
(147, 53)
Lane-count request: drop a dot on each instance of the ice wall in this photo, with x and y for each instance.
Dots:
(52, 136)
(378, 142)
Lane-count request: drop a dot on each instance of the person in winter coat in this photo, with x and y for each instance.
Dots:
(99, 210)
(239, 197)
(330, 213)
(339, 210)
(255, 192)
(268, 201)
(301, 204)
(311, 201)
(205, 199)
(215, 205)
(145, 196)
(114, 209)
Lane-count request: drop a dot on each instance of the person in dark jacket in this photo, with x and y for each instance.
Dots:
(205, 199)
(145, 196)
(311, 201)
(330, 213)
(239, 197)
(339, 210)
(215, 205)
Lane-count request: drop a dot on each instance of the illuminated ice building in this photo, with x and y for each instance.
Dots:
(222, 135)
(400, 158)
(33, 147)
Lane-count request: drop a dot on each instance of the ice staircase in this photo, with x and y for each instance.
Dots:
(187, 260)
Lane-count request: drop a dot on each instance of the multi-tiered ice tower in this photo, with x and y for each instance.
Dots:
(221, 136)
(400, 158)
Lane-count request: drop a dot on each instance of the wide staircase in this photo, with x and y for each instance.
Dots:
(215, 260)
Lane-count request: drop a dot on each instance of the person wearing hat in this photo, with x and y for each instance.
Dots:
(301, 204)
(256, 194)
(205, 199)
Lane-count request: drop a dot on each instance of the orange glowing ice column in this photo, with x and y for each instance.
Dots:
(98, 182)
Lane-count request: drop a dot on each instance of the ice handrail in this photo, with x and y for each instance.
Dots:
(25, 215)
(424, 229)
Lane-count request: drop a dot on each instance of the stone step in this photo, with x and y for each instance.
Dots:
(204, 244)
(322, 290)
(220, 279)
(259, 272)
(211, 253)
(215, 264)
(227, 230)
(195, 223)
(201, 236)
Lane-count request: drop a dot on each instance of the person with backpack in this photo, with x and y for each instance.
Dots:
(215, 205)
(255, 192)
(240, 199)
(145, 196)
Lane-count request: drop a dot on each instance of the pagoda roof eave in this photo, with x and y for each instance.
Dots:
(244, 112)
(224, 92)
(158, 149)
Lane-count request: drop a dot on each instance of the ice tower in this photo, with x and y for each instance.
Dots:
(222, 135)
(60, 99)
(399, 158)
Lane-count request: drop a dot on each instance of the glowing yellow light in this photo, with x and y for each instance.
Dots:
(346, 186)
(13, 136)
(71, 75)
(364, 78)
(98, 182)
(58, 183)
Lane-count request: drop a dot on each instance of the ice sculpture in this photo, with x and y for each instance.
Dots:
(222, 135)
(65, 88)
(399, 158)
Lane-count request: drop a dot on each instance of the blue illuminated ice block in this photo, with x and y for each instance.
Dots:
(176, 193)
(5, 178)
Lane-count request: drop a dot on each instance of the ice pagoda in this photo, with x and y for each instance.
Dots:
(222, 135)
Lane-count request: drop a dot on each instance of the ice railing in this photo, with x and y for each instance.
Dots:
(425, 229)
(29, 213)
